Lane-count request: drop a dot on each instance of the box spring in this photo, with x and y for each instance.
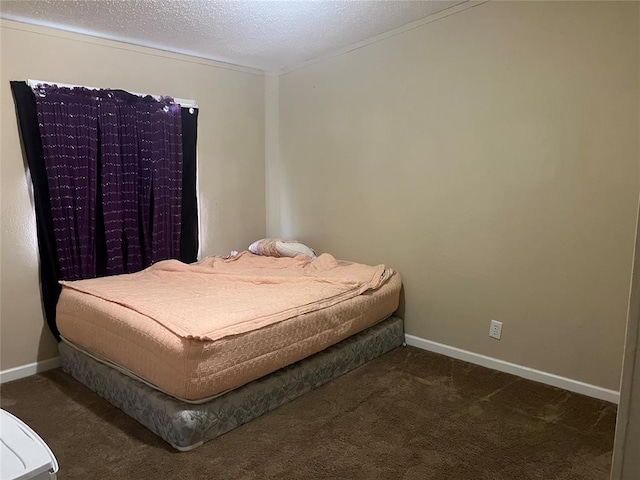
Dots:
(186, 426)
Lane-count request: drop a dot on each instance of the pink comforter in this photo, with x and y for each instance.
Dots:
(221, 297)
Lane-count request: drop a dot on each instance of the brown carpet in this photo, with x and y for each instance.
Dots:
(409, 414)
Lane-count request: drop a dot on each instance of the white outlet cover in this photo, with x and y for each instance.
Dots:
(495, 329)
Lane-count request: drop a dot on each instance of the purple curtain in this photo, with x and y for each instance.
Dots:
(69, 131)
(114, 165)
(160, 182)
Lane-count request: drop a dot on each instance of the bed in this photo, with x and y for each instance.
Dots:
(192, 351)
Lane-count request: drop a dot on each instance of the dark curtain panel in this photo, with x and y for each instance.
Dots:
(189, 227)
(115, 180)
(32, 148)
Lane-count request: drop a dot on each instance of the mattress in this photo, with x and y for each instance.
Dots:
(194, 370)
(220, 297)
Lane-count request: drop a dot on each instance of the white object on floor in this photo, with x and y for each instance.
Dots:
(23, 454)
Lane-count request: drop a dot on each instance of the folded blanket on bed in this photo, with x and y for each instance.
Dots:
(220, 297)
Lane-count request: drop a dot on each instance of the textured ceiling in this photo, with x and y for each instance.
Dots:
(268, 35)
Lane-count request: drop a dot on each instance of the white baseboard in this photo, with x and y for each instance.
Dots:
(514, 369)
(475, 358)
(28, 370)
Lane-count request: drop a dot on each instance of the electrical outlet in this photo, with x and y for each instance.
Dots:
(495, 329)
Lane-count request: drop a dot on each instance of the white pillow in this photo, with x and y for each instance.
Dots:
(293, 249)
(280, 247)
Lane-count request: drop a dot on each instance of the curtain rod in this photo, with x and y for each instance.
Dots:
(182, 101)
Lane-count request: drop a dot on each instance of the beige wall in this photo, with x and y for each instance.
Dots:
(230, 156)
(492, 158)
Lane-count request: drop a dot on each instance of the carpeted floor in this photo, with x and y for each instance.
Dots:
(409, 414)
